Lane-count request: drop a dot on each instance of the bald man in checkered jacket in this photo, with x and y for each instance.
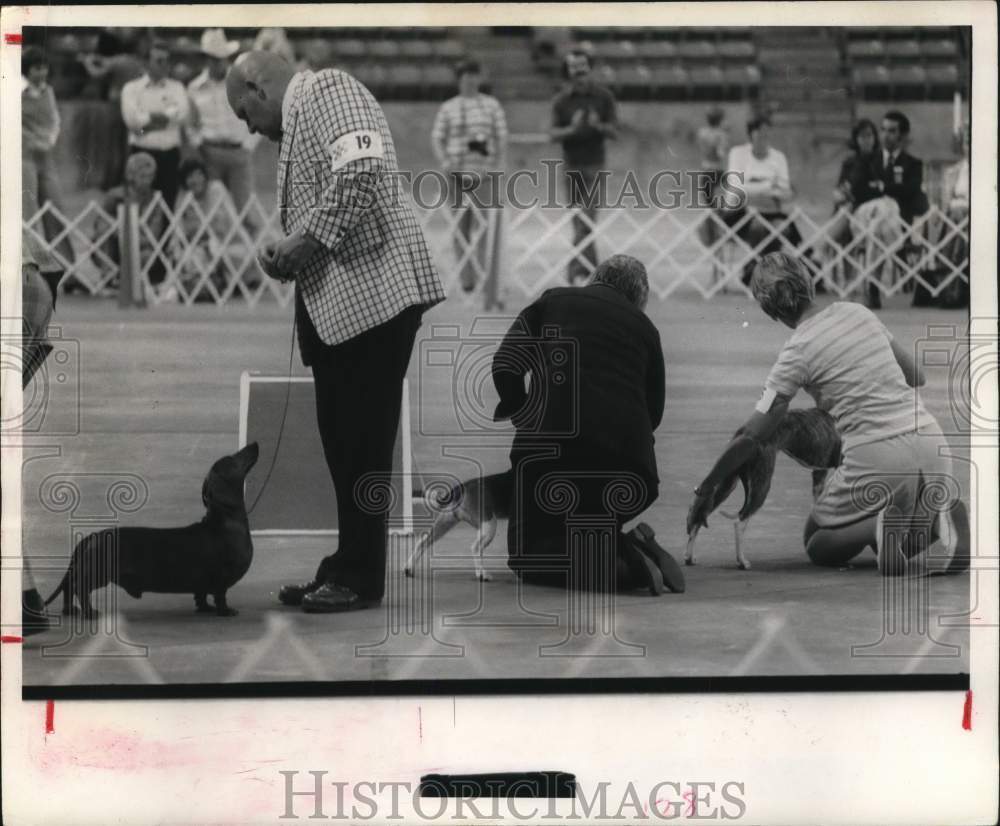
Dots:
(363, 278)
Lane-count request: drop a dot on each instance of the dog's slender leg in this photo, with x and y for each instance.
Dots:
(222, 609)
(738, 529)
(201, 604)
(443, 523)
(483, 539)
(87, 611)
(689, 550)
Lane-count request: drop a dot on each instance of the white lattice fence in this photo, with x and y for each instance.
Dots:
(194, 255)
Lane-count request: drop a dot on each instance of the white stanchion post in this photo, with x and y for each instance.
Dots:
(124, 260)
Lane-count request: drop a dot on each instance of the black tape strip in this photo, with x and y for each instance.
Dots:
(542, 784)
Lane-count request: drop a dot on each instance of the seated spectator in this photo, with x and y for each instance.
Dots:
(39, 131)
(584, 428)
(955, 250)
(955, 188)
(859, 204)
(140, 172)
(897, 180)
(765, 181)
(205, 216)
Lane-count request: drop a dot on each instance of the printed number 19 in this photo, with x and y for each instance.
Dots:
(364, 141)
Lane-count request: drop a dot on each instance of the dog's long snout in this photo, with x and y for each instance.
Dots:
(247, 457)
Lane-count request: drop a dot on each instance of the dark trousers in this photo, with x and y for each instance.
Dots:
(754, 231)
(359, 387)
(567, 514)
(585, 188)
(168, 161)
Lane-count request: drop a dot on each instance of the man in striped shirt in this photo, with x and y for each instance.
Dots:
(469, 139)
(893, 462)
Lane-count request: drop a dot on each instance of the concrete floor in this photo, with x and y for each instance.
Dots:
(157, 398)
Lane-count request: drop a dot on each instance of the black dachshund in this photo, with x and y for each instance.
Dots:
(208, 557)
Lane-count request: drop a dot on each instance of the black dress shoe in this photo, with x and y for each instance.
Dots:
(294, 594)
(332, 598)
(645, 540)
(642, 570)
(34, 618)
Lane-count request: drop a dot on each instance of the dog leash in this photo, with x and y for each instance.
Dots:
(281, 427)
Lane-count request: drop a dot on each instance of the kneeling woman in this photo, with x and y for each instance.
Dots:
(892, 470)
(582, 457)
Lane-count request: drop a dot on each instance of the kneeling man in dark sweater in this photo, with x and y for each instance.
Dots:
(582, 456)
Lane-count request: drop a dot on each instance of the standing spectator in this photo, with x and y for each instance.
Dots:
(99, 129)
(713, 145)
(225, 143)
(39, 132)
(275, 40)
(584, 116)
(469, 139)
(363, 279)
(154, 108)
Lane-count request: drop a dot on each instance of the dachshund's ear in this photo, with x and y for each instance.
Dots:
(205, 498)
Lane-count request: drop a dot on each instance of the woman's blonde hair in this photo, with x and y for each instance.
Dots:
(782, 287)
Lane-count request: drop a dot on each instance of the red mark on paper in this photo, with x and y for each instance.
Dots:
(50, 716)
(420, 723)
(967, 712)
(11, 638)
(12, 39)
(689, 798)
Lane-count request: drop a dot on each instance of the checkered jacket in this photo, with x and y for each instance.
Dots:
(374, 262)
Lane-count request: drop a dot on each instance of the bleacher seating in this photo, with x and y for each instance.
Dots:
(904, 64)
(639, 63)
(673, 64)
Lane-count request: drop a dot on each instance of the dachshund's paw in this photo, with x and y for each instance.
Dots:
(689, 562)
(483, 576)
(743, 566)
(204, 609)
(408, 571)
(226, 612)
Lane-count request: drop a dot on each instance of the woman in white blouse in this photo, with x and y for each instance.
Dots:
(766, 183)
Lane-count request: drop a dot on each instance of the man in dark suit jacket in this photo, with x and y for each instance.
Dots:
(584, 443)
(901, 174)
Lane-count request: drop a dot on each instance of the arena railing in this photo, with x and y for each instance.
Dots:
(154, 255)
